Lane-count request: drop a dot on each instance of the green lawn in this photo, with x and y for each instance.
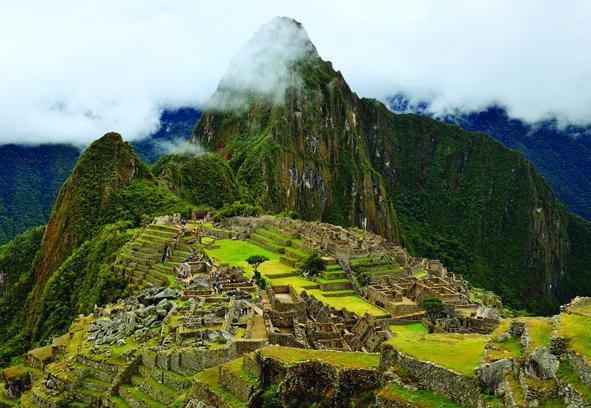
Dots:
(419, 398)
(507, 349)
(459, 352)
(414, 327)
(539, 330)
(274, 267)
(355, 304)
(576, 327)
(298, 282)
(337, 358)
(320, 279)
(235, 252)
(275, 234)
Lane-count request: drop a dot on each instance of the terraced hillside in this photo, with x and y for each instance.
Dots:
(150, 258)
(285, 253)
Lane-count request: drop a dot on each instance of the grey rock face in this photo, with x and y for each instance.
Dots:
(493, 375)
(541, 364)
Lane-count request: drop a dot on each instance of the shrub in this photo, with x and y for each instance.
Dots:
(313, 265)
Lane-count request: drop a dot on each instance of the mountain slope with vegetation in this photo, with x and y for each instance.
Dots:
(304, 151)
(445, 192)
(30, 178)
(561, 153)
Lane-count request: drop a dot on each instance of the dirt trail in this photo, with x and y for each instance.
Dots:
(259, 331)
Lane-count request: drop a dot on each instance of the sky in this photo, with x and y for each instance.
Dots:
(72, 70)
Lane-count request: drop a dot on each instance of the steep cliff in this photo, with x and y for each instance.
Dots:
(290, 132)
(105, 167)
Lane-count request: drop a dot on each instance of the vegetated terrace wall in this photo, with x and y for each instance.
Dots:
(316, 378)
(458, 388)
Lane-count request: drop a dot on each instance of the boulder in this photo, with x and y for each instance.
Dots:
(492, 375)
(541, 364)
(167, 293)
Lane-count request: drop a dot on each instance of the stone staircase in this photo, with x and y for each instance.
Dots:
(141, 259)
(84, 383)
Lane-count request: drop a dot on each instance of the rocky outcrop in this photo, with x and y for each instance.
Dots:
(541, 364)
(308, 382)
(493, 376)
(303, 148)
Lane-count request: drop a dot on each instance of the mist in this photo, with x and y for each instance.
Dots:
(72, 71)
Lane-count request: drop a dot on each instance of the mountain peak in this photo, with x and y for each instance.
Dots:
(265, 64)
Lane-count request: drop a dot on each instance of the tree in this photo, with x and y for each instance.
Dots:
(256, 260)
(433, 306)
(313, 265)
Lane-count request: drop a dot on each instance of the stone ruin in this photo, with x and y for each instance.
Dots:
(301, 320)
(343, 243)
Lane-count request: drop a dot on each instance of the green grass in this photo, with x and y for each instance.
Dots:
(459, 352)
(420, 274)
(507, 349)
(320, 279)
(274, 267)
(236, 252)
(353, 303)
(576, 328)
(419, 398)
(275, 234)
(539, 330)
(336, 358)
(235, 366)
(210, 226)
(567, 373)
(405, 328)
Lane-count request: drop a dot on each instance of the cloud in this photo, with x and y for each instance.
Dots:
(263, 65)
(178, 146)
(72, 71)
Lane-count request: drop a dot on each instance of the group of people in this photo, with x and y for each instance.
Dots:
(216, 282)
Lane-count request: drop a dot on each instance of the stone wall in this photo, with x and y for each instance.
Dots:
(431, 376)
(581, 366)
(202, 392)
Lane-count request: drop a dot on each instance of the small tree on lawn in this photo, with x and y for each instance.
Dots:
(255, 261)
(313, 265)
(433, 306)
